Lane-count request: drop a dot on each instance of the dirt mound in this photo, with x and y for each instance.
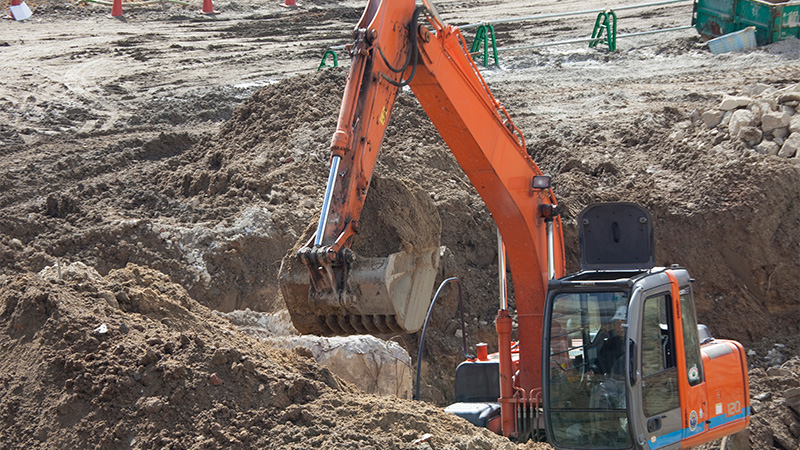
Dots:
(230, 206)
(131, 361)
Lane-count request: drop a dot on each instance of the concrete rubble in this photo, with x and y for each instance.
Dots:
(765, 120)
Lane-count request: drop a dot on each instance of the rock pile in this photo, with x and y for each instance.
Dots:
(775, 399)
(764, 119)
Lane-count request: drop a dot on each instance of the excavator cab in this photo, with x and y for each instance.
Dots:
(625, 364)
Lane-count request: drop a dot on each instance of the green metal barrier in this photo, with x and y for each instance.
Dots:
(483, 35)
(606, 22)
(325, 59)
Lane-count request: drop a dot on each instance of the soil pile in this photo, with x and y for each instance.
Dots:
(129, 360)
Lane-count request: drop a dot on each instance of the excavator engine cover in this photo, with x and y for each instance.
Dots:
(616, 236)
(389, 284)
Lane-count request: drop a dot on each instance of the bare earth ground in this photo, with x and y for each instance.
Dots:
(180, 156)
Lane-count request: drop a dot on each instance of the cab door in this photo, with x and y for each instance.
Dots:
(655, 412)
(691, 375)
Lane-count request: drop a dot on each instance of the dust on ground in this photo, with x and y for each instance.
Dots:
(176, 148)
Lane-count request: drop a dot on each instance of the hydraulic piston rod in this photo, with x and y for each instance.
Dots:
(551, 265)
(501, 269)
(326, 202)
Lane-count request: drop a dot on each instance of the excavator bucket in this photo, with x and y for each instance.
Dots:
(384, 295)
(388, 286)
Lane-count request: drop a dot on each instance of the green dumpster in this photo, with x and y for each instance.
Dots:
(773, 20)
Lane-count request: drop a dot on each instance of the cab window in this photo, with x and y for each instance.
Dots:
(659, 371)
(691, 344)
(586, 379)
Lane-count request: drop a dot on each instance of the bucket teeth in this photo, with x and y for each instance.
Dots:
(369, 324)
(355, 322)
(380, 324)
(345, 325)
(332, 326)
(391, 323)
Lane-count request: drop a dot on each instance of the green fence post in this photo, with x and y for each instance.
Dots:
(606, 21)
(483, 35)
(325, 58)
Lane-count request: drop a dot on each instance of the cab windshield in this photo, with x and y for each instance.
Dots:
(586, 375)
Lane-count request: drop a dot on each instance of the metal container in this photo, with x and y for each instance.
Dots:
(773, 20)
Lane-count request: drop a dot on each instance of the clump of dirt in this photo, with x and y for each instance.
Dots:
(130, 360)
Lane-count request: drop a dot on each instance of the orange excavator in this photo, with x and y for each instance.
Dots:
(610, 357)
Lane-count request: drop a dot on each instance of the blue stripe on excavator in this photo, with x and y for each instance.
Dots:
(676, 436)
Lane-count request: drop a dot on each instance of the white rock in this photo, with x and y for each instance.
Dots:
(789, 109)
(773, 120)
(790, 98)
(712, 118)
(374, 365)
(780, 133)
(759, 88)
(794, 124)
(726, 118)
(790, 146)
(773, 104)
(767, 148)
(739, 119)
(729, 103)
(677, 135)
(758, 109)
(750, 135)
(76, 272)
(720, 148)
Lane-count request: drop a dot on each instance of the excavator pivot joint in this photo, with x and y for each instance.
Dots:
(424, 34)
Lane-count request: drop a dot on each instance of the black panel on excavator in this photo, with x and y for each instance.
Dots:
(616, 236)
(478, 381)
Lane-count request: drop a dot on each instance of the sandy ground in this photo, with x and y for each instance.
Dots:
(196, 147)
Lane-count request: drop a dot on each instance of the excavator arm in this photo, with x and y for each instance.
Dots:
(328, 288)
(393, 49)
